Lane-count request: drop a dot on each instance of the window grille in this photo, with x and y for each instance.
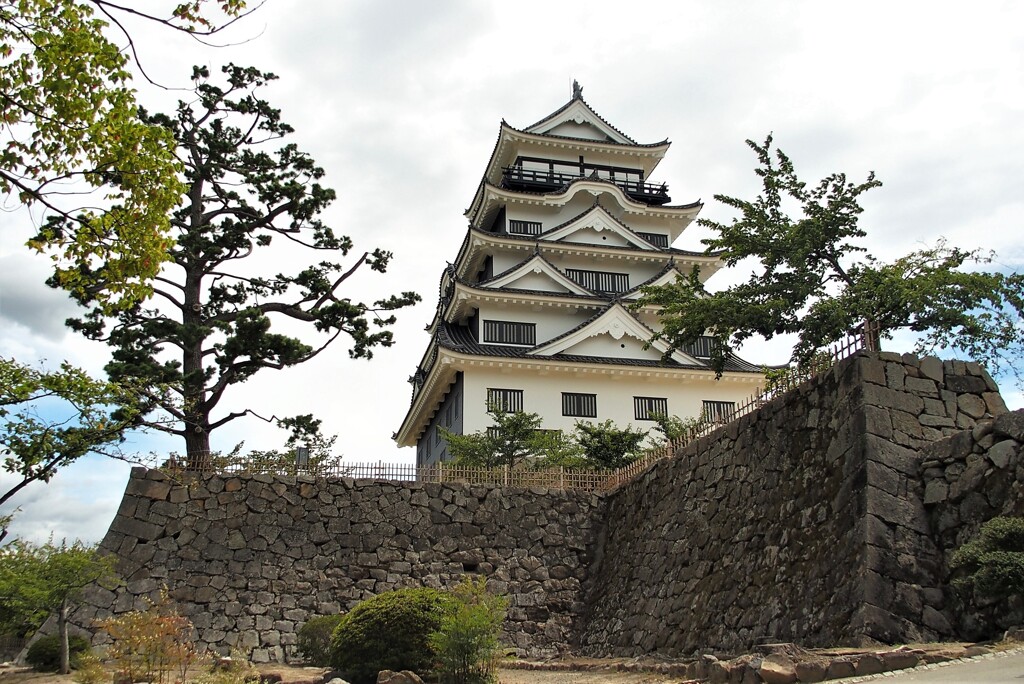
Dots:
(656, 239)
(505, 332)
(702, 348)
(719, 411)
(600, 281)
(508, 400)
(525, 227)
(645, 408)
(579, 405)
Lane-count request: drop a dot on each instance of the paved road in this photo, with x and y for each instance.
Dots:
(994, 669)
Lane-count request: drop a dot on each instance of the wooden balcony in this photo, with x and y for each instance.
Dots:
(541, 180)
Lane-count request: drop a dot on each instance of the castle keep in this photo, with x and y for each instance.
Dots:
(535, 312)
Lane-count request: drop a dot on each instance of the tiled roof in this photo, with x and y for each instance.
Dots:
(568, 104)
(458, 338)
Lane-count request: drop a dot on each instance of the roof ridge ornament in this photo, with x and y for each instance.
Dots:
(577, 90)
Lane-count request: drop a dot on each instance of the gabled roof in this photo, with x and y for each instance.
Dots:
(598, 219)
(535, 264)
(615, 321)
(578, 111)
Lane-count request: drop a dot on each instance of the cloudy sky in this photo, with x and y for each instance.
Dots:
(400, 102)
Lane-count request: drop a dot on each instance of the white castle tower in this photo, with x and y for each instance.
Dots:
(535, 311)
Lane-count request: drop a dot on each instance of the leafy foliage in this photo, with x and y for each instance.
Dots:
(515, 439)
(211, 310)
(69, 127)
(152, 645)
(390, 631)
(992, 564)
(44, 654)
(511, 438)
(51, 418)
(672, 428)
(810, 281)
(466, 645)
(606, 446)
(314, 639)
(35, 580)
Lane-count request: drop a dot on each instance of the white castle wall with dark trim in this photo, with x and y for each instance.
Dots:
(811, 520)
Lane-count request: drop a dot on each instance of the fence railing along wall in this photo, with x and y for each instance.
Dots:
(780, 381)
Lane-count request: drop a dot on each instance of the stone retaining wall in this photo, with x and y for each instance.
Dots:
(801, 522)
(250, 558)
(811, 520)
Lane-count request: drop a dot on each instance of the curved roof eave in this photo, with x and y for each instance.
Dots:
(566, 193)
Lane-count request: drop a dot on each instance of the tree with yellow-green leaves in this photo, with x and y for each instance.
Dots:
(101, 184)
(73, 147)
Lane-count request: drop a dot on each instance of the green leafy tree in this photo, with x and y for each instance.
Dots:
(37, 580)
(48, 419)
(209, 327)
(512, 437)
(671, 428)
(608, 446)
(69, 129)
(815, 281)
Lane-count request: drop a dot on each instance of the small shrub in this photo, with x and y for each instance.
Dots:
(235, 669)
(390, 631)
(151, 645)
(314, 639)
(44, 654)
(89, 670)
(466, 646)
(992, 564)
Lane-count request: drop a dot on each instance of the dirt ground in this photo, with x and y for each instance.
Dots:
(12, 675)
(574, 671)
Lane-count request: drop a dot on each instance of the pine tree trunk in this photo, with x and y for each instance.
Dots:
(197, 418)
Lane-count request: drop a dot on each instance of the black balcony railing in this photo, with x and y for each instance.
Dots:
(546, 180)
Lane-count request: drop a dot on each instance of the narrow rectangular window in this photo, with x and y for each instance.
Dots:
(508, 332)
(599, 281)
(656, 239)
(579, 405)
(525, 227)
(702, 347)
(437, 435)
(508, 400)
(646, 408)
(718, 411)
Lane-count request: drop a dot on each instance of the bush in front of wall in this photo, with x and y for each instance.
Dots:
(390, 631)
(314, 639)
(44, 654)
(992, 563)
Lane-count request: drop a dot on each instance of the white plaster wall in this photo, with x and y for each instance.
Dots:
(542, 394)
(550, 321)
(626, 347)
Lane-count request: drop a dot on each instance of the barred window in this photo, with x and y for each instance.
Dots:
(703, 347)
(656, 239)
(507, 332)
(579, 405)
(599, 281)
(525, 227)
(508, 400)
(719, 411)
(645, 408)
